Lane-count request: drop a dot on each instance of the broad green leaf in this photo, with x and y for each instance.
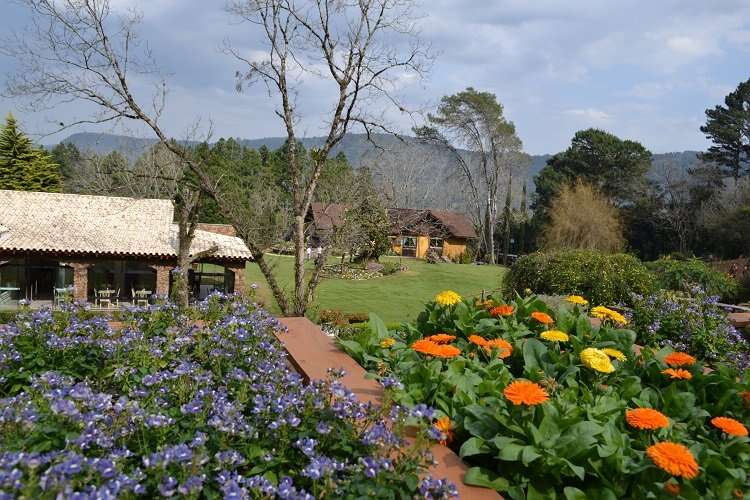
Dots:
(477, 476)
(473, 446)
(377, 325)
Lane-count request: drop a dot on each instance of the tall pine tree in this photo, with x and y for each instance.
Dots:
(22, 166)
(728, 127)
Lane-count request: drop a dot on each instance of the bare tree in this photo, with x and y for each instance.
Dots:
(410, 177)
(361, 48)
(679, 209)
(581, 217)
(157, 173)
(80, 50)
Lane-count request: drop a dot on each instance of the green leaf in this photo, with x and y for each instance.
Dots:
(532, 354)
(477, 476)
(573, 493)
(377, 326)
(352, 347)
(473, 446)
(529, 454)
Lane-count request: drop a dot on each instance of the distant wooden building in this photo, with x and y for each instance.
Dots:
(413, 232)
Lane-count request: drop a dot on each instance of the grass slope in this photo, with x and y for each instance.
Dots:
(398, 297)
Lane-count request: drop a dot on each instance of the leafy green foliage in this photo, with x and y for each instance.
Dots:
(615, 166)
(606, 279)
(682, 275)
(577, 444)
(22, 166)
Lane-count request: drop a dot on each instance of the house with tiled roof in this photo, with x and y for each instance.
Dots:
(413, 232)
(85, 243)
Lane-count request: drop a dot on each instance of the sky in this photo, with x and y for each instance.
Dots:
(642, 69)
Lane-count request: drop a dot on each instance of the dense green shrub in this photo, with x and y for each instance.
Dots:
(602, 278)
(682, 274)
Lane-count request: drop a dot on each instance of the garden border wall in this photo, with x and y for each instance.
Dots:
(312, 353)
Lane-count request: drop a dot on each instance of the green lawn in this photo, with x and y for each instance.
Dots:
(398, 297)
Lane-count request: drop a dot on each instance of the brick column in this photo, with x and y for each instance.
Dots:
(80, 281)
(239, 278)
(162, 279)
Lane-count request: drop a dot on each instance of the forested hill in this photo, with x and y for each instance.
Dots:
(356, 147)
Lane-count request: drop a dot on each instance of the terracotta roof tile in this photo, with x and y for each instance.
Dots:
(73, 223)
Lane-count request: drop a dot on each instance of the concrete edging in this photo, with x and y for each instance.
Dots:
(312, 353)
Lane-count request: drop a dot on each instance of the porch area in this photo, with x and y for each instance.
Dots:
(106, 284)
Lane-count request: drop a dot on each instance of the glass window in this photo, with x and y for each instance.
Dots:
(436, 243)
(409, 242)
(206, 277)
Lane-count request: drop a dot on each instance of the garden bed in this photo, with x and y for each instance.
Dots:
(198, 403)
(540, 404)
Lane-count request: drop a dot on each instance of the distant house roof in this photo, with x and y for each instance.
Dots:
(105, 225)
(409, 220)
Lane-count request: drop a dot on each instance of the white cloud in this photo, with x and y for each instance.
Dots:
(692, 46)
(591, 114)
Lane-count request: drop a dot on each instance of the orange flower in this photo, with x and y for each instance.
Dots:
(444, 425)
(679, 359)
(424, 346)
(746, 397)
(678, 373)
(478, 340)
(674, 459)
(738, 493)
(543, 318)
(447, 351)
(502, 310)
(503, 345)
(730, 426)
(646, 418)
(441, 338)
(672, 488)
(525, 392)
(430, 348)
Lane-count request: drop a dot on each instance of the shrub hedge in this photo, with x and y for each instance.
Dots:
(603, 278)
(683, 274)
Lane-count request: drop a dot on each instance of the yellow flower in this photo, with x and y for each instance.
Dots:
(447, 298)
(614, 353)
(577, 299)
(602, 312)
(596, 359)
(555, 336)
(387, 342)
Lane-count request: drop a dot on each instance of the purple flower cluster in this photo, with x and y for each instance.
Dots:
(694, 324)
(167, 407)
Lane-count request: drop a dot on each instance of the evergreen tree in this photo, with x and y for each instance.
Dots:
(68, 157)
(728, 127)
(22, 166)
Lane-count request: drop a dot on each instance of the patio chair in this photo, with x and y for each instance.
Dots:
(102, 298)
(140, 297)
(61, 295)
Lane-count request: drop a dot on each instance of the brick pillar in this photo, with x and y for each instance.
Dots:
(162, 279)
(239, 278)
(80, 281)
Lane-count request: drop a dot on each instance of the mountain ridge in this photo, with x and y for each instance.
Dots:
(357, 148)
